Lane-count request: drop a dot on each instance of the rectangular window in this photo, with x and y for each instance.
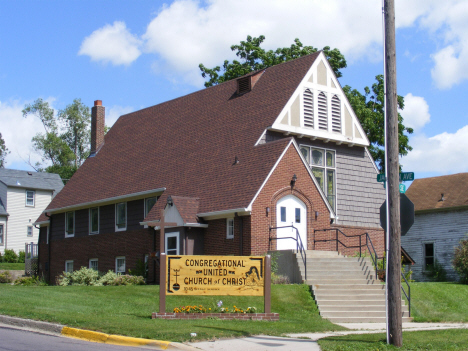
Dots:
(120, 264)
(1, 234)
(69, 266)
(283, 214)
(121, 216)
(69, 224)
(30, 231)
(172, 243)
(230, 228)
(149, 203)
(94, 220)
(428, 255)
(30, 194)
(298, 215)
(93, 264)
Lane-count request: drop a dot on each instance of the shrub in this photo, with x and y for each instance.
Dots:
(83, 276)
(279, 279)
(10, 256)
(141, 269)
(460, 260)
(30, 281)
(436, 272)
(1, 258)
(108, 278)
(5, 277)
(21, 257)
(128, 280)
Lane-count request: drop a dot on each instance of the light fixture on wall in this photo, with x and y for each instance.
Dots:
(316, 214)
(267, 211)
(169, 201)
(293, 181)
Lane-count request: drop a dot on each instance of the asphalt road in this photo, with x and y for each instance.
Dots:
(22, 340)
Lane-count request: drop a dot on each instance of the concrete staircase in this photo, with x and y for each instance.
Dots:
(345, 288)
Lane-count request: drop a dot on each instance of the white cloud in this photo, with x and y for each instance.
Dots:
(113, 114)
(188, 33)
(112, 43)
(416, 112)
(443, 153)
(17, 132)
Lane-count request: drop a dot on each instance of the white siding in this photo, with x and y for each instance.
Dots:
(21, 216)
(445, 230)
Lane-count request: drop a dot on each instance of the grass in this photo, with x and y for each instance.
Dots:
(439, 302)
(12, 266)
(126, 310)
(449, 339)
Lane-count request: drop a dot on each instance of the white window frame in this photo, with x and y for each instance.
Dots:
(146, 211)
(94, 260)
(172, 235)
(66, 266)
(68, 235)
(124, 264)
(325, 168)
(2, 235)
(229, 228)
(90, 220)
(29, 227)
(117, 229)
(33, 198)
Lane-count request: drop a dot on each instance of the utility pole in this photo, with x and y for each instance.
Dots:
(393, 278)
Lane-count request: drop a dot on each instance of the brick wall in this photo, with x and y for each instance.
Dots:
(216, 243)
(278, 186)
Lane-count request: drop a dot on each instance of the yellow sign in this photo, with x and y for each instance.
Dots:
(215, 275)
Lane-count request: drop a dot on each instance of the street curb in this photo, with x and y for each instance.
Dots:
(93, 336)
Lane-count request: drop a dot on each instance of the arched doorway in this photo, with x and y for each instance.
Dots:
(290, 210)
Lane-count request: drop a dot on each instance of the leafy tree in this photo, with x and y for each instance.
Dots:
(368, 108)
(255, 58)
(3, 152)
(66, 151)
(460, 260)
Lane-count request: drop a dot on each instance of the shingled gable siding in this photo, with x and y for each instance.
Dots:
(359, 195)
(278, 186)
(445, 229)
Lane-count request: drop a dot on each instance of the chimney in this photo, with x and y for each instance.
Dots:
(97, 127)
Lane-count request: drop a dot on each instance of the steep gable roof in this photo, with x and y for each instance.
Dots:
(189, 145)
(31, 180)
(426, 194)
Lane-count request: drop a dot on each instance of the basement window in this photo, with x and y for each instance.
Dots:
(428, 255)
(69, 266)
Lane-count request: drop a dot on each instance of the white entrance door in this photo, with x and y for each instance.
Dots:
(290, 210)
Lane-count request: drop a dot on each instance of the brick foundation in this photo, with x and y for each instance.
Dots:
(226, 316)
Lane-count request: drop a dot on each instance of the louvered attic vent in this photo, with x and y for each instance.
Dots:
(244, 85)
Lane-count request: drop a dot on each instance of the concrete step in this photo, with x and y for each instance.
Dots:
(364, 319)
(325, 280)
(316, 253)
(351, 297)
(357, 314)
(348, 287)
(335, 259)
(357, 303)
(353, 308)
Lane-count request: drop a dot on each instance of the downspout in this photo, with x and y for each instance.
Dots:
(50, 244)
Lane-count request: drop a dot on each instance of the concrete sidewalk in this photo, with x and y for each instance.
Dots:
(308, 341)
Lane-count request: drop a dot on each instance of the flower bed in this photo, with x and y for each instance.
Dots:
(226, 316)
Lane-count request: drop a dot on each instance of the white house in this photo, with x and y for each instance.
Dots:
(441, 221)
(23, 197)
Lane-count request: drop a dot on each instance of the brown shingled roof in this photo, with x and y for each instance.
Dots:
(188, 145)
(426, 194)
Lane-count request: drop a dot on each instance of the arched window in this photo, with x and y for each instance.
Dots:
(336, 114)
(308, 109)
(322, 111)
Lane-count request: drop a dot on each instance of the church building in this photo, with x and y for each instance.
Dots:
(229, 164)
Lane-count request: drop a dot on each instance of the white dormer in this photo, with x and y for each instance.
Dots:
(319, 109)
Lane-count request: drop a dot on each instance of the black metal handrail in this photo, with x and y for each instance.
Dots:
(299, 245)
(408, 296)
(368, 244)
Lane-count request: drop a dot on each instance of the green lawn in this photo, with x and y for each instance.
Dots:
(439, 302)
(126, 310)
(450, 339)
(12, 266)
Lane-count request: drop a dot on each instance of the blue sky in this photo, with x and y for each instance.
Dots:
(135, 54)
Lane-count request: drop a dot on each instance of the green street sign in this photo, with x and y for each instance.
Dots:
(402, 188)
(404, 176)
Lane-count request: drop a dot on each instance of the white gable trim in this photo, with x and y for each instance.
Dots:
(372, 159)
(293, 142)
(339, 138)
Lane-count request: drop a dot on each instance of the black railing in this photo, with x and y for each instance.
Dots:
(368, 243)
(408, 296)
(299, 245)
